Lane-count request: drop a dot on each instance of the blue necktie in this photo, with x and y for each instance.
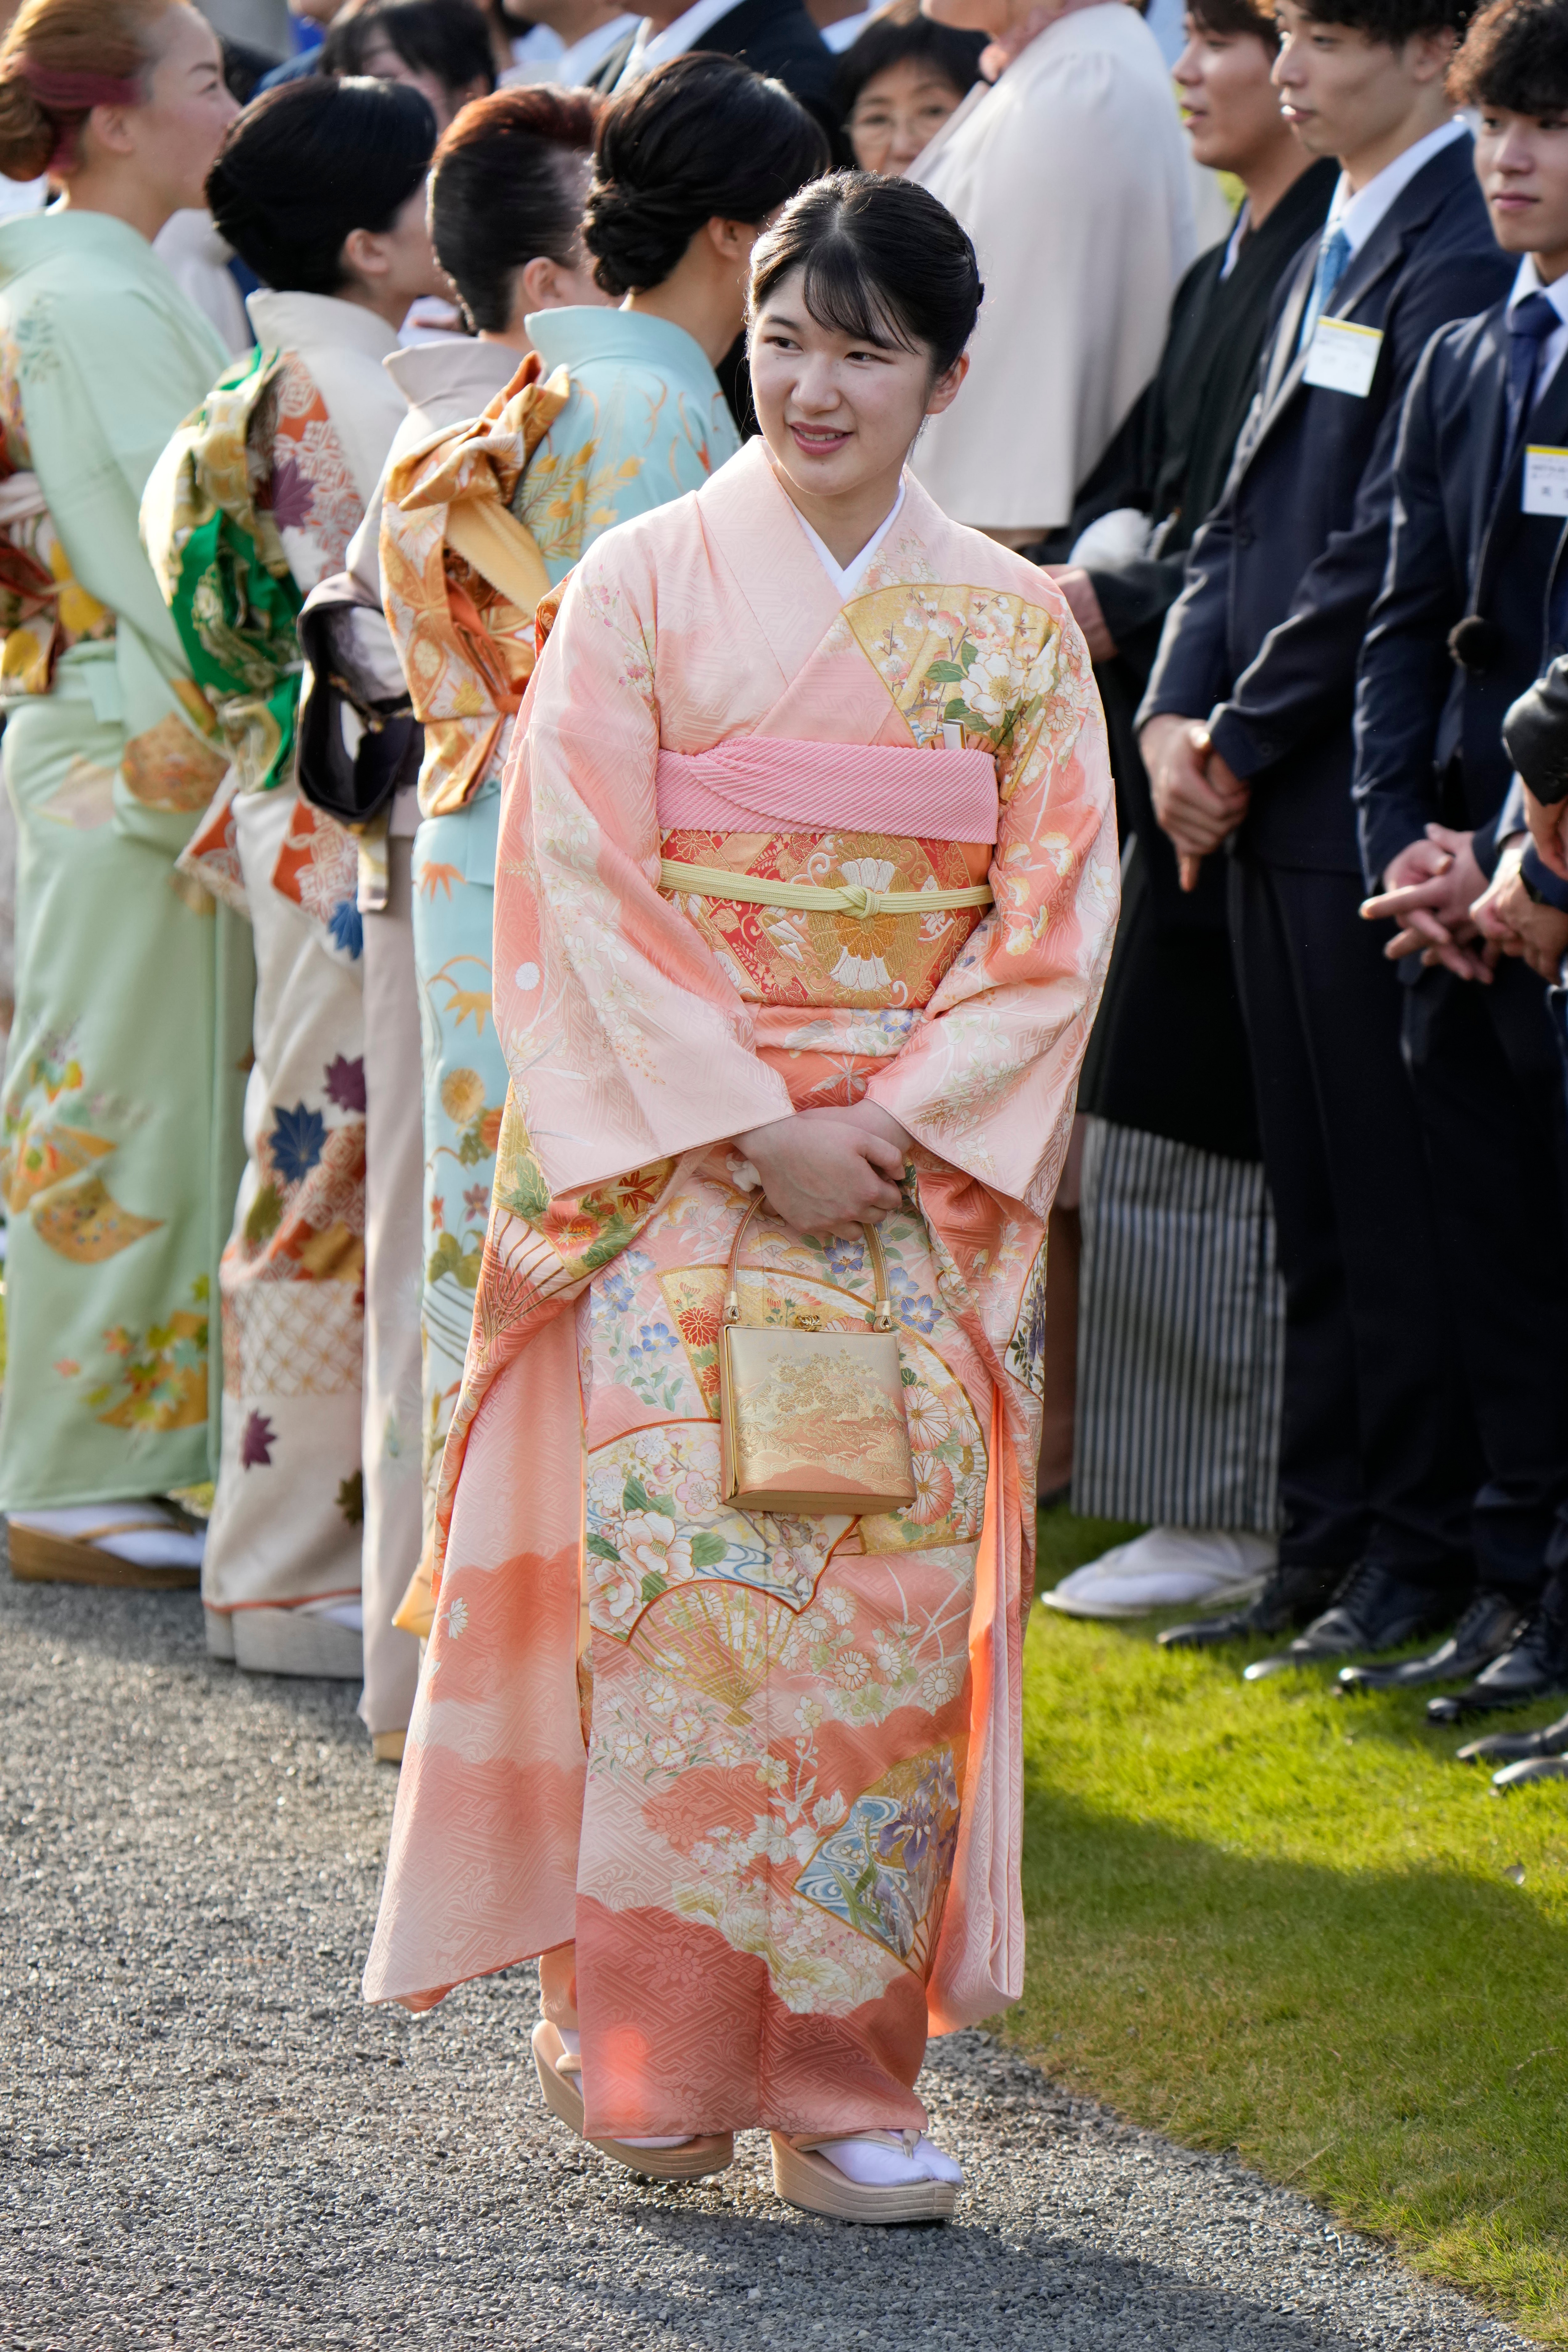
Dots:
(1528, 324)
(1333, 257)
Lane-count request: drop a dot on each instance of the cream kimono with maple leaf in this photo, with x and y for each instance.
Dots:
(764, 1774)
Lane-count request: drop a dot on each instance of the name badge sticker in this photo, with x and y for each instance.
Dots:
(1546, 481)
(1342, 358)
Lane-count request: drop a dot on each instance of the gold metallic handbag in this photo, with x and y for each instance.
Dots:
(813, 1421)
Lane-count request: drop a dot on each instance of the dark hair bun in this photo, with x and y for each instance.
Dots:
(309, 163)
(703, 139)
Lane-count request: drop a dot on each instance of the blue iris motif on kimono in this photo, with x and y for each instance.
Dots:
(883, 1870)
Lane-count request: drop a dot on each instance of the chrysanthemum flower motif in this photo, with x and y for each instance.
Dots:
(462, 1095)
(851, 1668)
(933, 1490)
(650, 1543)
(930, 1420)
(838, 1604)
(458, 1618)
(871, 873)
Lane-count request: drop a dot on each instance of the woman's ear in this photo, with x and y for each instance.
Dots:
(364, 257)
(945, 390)
(540, 282)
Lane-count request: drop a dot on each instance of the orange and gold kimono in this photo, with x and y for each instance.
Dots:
(764, 1773)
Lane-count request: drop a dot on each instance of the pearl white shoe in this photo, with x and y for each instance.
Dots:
(1168, 1567)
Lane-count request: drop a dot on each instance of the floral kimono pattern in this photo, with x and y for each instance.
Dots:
(254, 502)
(121, 1096)
(765, 1773)
(468, 650)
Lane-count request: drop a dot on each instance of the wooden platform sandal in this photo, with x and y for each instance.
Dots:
(51, 1554)
(559, 2080)
(816, 2185)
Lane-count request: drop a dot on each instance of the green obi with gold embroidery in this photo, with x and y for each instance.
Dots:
(215, 546)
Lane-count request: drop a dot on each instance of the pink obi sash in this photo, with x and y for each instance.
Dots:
(756, 781)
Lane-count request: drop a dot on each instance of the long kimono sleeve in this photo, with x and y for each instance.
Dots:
(626, 1041)
(989, 1080)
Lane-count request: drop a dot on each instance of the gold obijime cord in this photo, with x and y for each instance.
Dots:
(748, 890)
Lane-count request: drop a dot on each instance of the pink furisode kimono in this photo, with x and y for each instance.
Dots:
(764, 1774)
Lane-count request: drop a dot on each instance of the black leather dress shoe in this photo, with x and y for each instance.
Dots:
(1371, 1611)
(1534, 1667)
(1291, 1596)
(1490, 1623)
(1518, 1747)
(1536, 1768)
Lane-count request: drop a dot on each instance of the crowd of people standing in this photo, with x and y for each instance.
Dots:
(599, 612)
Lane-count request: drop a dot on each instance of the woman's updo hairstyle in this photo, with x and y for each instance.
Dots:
(506, 190)
(703, 139)
(309, 163)
(60, 58)
(883, 258)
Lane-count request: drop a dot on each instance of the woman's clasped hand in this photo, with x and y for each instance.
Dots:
(825, 1168)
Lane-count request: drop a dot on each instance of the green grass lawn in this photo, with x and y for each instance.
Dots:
(1265, 1918)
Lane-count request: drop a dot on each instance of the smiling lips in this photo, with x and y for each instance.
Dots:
(817, 440)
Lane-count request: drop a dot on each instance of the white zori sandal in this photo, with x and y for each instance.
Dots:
(877, 2175)
(560, 2078)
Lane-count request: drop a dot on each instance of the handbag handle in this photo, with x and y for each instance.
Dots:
(883, 1319)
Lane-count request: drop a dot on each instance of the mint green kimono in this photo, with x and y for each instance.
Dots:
(121, 1114)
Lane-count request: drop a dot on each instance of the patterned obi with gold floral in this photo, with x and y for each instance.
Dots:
(44, 608)
(840, 985)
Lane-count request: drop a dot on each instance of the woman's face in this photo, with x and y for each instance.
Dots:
(175, 136)
(897, 113)
(837, 412)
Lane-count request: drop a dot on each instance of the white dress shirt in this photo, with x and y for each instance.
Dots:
(1360, 214)
(652, 47)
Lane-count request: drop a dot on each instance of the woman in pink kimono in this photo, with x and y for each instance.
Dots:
(751, 1786)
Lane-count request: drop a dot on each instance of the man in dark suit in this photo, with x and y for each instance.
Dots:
(1477, 514)
(772, 36)
(1245, 731)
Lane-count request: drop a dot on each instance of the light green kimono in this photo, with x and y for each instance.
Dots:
(122, 1145)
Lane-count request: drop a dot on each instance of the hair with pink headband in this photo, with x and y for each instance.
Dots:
(61, 58)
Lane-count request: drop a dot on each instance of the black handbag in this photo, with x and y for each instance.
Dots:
(356, 744)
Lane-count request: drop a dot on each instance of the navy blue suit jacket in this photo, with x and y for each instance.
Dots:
(1429, 728)
(1264, 639)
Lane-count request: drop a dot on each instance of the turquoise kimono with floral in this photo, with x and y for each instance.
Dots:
(645, 422)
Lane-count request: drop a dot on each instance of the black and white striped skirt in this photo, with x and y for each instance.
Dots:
(1181, 1335)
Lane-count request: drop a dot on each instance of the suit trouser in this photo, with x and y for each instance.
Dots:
(1487, 1080)
(1378, 1459)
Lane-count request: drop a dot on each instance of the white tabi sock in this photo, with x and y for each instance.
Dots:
(871, 2163)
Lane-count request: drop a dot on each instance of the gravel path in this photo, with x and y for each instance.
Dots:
(207, 2140)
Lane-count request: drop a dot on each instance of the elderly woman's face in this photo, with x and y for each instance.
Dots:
(897, 113)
